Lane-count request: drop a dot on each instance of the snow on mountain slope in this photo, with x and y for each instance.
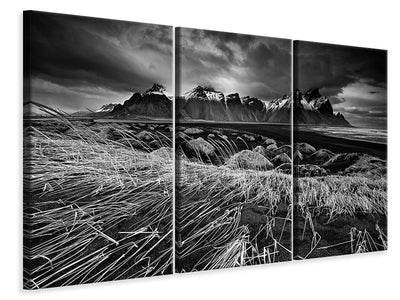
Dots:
(311, 107)
(107, 108)
(153, 103)
(205, 103)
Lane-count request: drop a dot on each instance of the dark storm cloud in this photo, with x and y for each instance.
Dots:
(353, 78)
(269, 62)
(222, 38)
(336, 100)
(334, 66)
(91, 58)
(250, 65)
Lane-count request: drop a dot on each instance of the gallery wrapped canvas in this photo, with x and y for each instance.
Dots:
(263, 150)
(340, 150)
(98, 166)
(233, 150)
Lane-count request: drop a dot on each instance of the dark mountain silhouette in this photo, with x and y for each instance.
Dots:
(205, 103)
(151, 104)
(311, 107)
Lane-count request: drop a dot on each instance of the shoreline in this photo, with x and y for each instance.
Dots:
(341, 145)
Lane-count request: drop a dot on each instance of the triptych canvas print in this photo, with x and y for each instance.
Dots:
(260, 150)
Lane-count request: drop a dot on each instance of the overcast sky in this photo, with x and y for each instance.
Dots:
(249, 65)
(353, 78)
(79, 62)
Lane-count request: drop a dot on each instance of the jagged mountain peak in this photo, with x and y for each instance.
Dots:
(254, 103)
(153, 103)
(107, 107)
(311, 107)
(203, 88)
(204, 93)
(311, 94)
(156, 88)
(284, 98)
(205, 103)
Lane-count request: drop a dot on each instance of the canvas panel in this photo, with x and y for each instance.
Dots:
(98, 166)
(340, 150)
(233, 150)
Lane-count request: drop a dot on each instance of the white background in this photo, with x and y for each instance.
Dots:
(360, 23)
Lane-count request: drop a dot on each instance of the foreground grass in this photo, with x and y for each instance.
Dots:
(95, 209)
(344, 214)
(343, 194)
(227, 218)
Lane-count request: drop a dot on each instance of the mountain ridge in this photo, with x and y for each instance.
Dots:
(312, 108)
(206, 103)
(153, 103)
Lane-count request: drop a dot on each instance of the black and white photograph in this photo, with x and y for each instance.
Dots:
(210, 150)
(98, 165)
(340, 150)
(233, 150)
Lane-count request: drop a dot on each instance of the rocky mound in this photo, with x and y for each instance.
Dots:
(261, 150)
(271, 148)
(281, 158)
(321, 156)
(309, 171)
(144, 135)
(339, 162)
(368, 166)
(163, 152)
(193, 130)
(248, 137)
(201, 146)
(269, 141)
(247, 159)
(304, 148)
(284, 149)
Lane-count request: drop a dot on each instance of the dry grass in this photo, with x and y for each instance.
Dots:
(361, 241)
(210, 203)
(347, 197)
(95, 209)
(343, 194)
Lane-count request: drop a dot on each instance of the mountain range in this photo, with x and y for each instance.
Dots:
(205, 103)
(311, 107)
(152, 104)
